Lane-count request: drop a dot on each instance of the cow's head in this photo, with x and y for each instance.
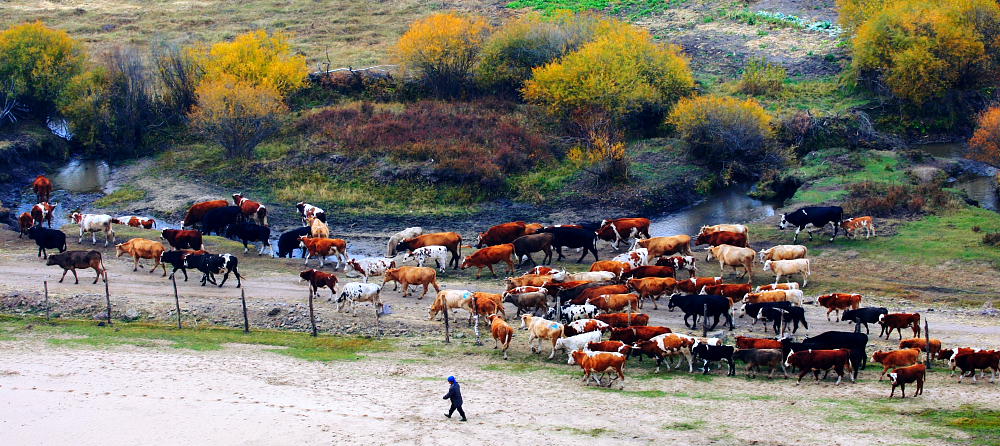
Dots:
(237, 198)
(465, 263)
(307, 274)
(301, 206)
(479, 240)
(404, 245)
(53, 259)
(767, 265)
(525, 320)
(702, 239)
(122, 248)
(76, 217)
(783, 223)
(893, 376)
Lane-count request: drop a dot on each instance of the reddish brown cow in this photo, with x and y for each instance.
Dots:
(622, 320)
(921, 344)
(591, 293)
(450, 240)
(42, 212)
(819, 360)
(500, 234)
(182, 238)
(600, 362)
(897, 358)
(197, 211)
(650, 271)
(252, 210)
(695, 284)
(968, 363)
(320, 279)
(610, 346)
(489, 256)
(611, 266)
(839, 302)
(899, 321)
(24, 223)
(905, 375)
(42, 187)
(616, 302)
(723, 238)
(745, 342)
(631, 335)
(732, 291)
(622, 229)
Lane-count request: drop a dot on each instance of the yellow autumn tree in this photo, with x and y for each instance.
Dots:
(441, 49)
(852, 13)
(984, 145)
(237, 113)
(921, 50)
(622, 71)
(40, 62)
(256, 58)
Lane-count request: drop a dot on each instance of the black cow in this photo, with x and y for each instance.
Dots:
(832, 340)
(47, 239)
(71, 260)
(753, 310)
(289, 240)
(754, 358)
(815, 216)
(176, 259)
(694, 305)
(865, 315)
(251, 232)
(525, 245)
(212, 264)
(713, 353)
(218, 219)
(573, 238)
(781, 317)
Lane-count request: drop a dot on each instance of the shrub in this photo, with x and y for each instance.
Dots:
(605, 154)
(984, 145)
(730, 135)
(852, 13)
(991, 238)
(178, 75)
(761, 77)
(255, 59)
(919, 50)
(621, 72)
(441, 49)
(40, 61)
(462, 142)
(111, 108)
(513, 50)
(896, 200)
(237, 114)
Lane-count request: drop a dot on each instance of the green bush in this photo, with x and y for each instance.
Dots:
(762, 78)
(40, 61)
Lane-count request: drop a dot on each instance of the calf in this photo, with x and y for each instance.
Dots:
(714, 353)
(536, 299)
(820, 360)
(502, 332)
(184, 238)
(584, 325)
(368, 267)
(412, 275)
(319, 279)
(756, 357)
(753, 310)
(251, 232)
(251, 210)
(866, 315)
(489, 256)
(572, 313)
(898, 358)
(94, 223)
(47, 239)
(815, 216)
(324, 247)
(853, 224)
(576, 342)
(839, 301)
(634, 258)
(224, 264)
(317, 227)
(140, 248)
(71, 260)
(686, 263)
(307, 210)
(24, 223)
(527, 245)
(421, 255)
(176, 259)
(667, 346)
(360, 292)
(905, 375)
(899, 321)
(592, 362)
(539, 329)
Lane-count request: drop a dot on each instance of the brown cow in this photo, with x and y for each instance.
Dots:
(486, 304)
(819, 360)
(905, 375)
(723, 238)
(616, 302)
(622, 229)
(197, 211)
(323, 247)
(500, 234)
(591, 293)
(412, 275)
(42, 187)
(611, 266)
(140, 248)
(695, 284)
(320, 279)
(652, 288)
(921, 344)
(182, 238)
(528, 280)
(502, 332)
(650, 271)
(897, 358)
(623, 320)
(489, 256)
(42, 213)
(731, 290)
(632, 334)
(251, 210)
(663, 246)
(745, 342)
(71, 260)
(899, 321)
(839, 302)
(24, 223)
(599, 362)
(450, 240)
(610, 346)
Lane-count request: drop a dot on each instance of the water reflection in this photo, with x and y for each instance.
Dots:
(83, 176)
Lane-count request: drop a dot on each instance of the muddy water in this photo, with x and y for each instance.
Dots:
(980, 186)
(81, 175)
(730, 205)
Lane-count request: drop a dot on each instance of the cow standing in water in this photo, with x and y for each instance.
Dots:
(42, 187)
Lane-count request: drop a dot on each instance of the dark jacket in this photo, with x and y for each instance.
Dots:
(455, 394)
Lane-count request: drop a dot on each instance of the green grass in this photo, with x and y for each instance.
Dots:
(124, 195)
(685, 425)
(983, 425)
(540, 184)
(294, 344)
(828, 181)
(631, 8)
(594, 432)
(635, 393)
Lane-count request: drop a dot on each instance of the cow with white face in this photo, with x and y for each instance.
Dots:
(635, 257)
(438, 253)
(94, 223)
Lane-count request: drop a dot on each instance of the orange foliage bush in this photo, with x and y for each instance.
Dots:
(984, 145)
(442, 49)
(237, 114)
(40, 61)
(255, 58)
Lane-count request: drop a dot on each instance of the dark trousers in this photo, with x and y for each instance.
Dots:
(458, 408)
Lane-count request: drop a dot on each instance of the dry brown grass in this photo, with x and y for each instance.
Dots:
(352, 32)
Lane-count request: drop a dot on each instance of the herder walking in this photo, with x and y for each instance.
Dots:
(455, 395)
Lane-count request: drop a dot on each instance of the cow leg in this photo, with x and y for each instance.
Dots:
(224, 278)
(75, 277)
(63, 275)
(559, 251)
(493, 273)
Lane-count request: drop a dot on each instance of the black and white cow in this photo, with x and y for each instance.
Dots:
(753, 310)
(212, 264)
(865, 315)
(307, 210)
(572, 313)
(713, 353)
(815, 216)
(783, 316)
(360, 292)
(176, 259)
(251, 232)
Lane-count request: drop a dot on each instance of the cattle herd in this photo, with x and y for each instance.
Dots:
(562, 311)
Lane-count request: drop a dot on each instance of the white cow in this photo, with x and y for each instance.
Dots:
(359, 292)
(577, 342)
(94, 223)
(371, 266)
(400, 236)
(438, 253)
(635, 258)
(789, 267)
(591, 276)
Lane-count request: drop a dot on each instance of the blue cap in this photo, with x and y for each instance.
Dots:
(451, 379)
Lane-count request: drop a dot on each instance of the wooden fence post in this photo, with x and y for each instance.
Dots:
(246, 320)
(177, 301)
(312, 315)
(46, 283)
(927, 346)
(475, 317)
(107, 297)
(447, 325)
